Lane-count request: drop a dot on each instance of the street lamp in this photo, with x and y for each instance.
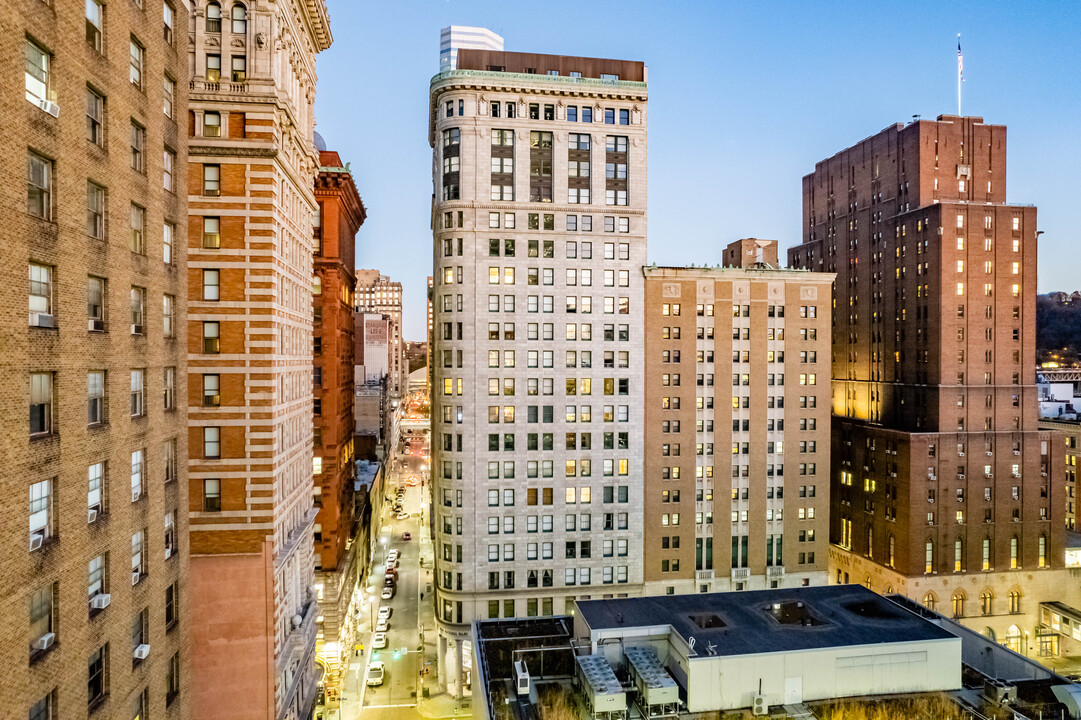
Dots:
(371, 613)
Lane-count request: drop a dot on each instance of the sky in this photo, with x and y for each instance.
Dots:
(744, 98)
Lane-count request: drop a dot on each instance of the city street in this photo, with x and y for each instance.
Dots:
(403, 655)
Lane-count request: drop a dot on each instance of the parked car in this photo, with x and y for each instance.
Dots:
(388, 592)
(385, 612)
(382, 625)
(376, 673)
(379, 640)
(393, 554)
(389, 581)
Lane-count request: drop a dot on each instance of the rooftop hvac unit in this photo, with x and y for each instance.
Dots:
(759, 707)
(141, 652)
(521, 674)
(45, 641)
(101, 601)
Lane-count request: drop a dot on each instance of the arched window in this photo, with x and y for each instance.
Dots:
(240, 20)
(1013, 638)
(957, 603)
(930, 601)
(213, 17)
(989, 633)
(986, 602)
(889, 590)
(1015, 600)
(867, 582)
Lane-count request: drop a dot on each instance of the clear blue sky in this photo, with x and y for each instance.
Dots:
(744, 99)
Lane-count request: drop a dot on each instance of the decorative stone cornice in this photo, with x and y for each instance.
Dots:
(231, 151)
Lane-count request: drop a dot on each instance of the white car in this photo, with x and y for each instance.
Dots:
(384, 612)
(388, 592)
(379, 640)
(376, 672)
(392, 555)
(402, 516)
(382, 625)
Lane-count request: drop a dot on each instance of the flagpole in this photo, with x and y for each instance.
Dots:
(959, 71)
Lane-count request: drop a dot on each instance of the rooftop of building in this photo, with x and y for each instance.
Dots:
(551, 65)
(745, 623)
(721, 272)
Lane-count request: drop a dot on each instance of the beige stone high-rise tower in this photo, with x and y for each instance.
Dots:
(252, 211)
(94, 574)
(539, 222)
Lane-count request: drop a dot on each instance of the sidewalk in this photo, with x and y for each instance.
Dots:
(442, 706)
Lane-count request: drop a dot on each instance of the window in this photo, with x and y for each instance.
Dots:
(171, 592)
(211, 495)
(172, 679)
(169, 21)
(169, 96)
(212, 180)
(138, 311)
(211, 285)
(95, 111)
(167, 231)
(240, 68)
(168, 163)
(211, 338)
(138, 393)
(95, 493)
(213, 18)
(213, 67)
(240, 19)
(39, 187)
(95, 15)
(95, 211)
(138, 142)
(96, 584)
(212, 232)
(211, 443)
(95, 303)
(41, 294)
(169, 388)
(38, 61)
(138, 466)
(136, 62)
(41, 403)
(211, 390)
(95, 685)
(45, 708)
(41, 513)
(138, 230)
(41, 616)
(95, 397)
(212, 124)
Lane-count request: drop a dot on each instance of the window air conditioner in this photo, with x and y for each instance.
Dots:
(136, 329)
(100, 601)
(141, 652)
(42, 320)
(91, 515)
(96, 325)
(45, 641)
(36, 540)
(50, 107)
(136, 576)
(136, 493)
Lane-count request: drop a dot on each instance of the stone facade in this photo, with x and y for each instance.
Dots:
(737, 483)
(377, 293)
(251, 173)
(95, 598)
(537, 391)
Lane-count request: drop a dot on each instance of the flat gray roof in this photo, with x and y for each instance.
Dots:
(750, 622)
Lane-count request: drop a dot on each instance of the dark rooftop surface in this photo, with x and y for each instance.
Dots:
(747, 623)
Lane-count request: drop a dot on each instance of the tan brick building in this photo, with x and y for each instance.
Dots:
(337, 566)
(251, 173)
(943, 488)
(377, 293)
(737, 425)
(94, 573)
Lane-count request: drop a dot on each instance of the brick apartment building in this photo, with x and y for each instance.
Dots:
(337, 566)
(943, 487)
(251, 172)
(94, 575)
(377, 293)
(737, 424)
(537, 412)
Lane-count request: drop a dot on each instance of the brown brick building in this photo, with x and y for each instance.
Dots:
(94, 573)
(944, 489)
(737, 425)
(251, 172)
(337, 568)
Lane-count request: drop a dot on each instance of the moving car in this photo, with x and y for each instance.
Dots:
(407, 536)
(382, 625)
(379, 640)
(376, 673)
(388, 592)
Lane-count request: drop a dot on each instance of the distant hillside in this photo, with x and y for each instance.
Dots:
(1058, 327)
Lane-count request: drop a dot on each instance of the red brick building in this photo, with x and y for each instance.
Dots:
(341, 214)
(940, 486)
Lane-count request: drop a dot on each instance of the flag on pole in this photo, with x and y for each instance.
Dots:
(960, 60)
